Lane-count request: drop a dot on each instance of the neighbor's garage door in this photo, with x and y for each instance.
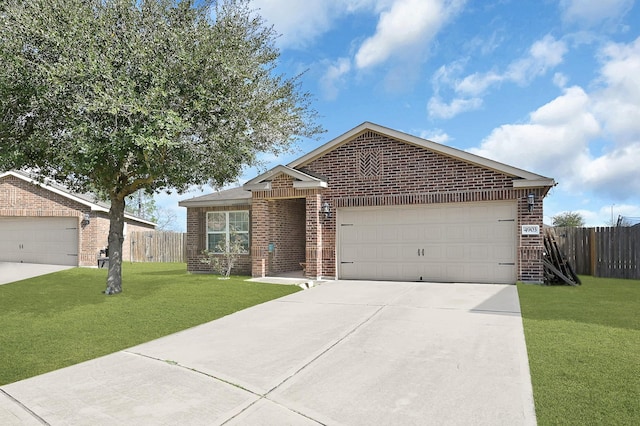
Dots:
(51, 240)
(463, 242)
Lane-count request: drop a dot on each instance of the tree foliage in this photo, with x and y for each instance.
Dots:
(142, 205)
(573, 219)
(114, 96)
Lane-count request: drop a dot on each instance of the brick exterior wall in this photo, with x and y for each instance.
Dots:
(530, 247)
(287, 234)
(371, 169)
(375, 170)
(197, 240)
(19, 198)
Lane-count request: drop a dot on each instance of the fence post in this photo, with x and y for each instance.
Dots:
(592, 252)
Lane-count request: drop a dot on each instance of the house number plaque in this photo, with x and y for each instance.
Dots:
(530, 229)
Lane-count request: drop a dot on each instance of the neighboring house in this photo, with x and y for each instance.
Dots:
(46, 223)
(376, 203)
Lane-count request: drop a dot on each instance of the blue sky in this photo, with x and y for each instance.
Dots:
(550, 86)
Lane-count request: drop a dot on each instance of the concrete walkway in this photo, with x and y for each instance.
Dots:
(12, 271)
(345, 352)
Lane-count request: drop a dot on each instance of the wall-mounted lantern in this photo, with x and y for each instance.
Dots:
(326, 210)
(530, 201)
(86, 219)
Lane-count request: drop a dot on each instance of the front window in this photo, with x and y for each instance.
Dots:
(227, 228)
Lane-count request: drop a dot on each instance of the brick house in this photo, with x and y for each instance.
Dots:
(46, 223)
(376, 203)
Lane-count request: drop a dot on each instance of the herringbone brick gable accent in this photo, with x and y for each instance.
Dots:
(369, 164)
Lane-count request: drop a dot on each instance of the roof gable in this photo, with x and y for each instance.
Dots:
(523, 178)
(83, 199)
(301, 179)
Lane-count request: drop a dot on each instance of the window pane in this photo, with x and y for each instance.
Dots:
(217, 242)
(243, 239)
(216, 221)
(239, 221)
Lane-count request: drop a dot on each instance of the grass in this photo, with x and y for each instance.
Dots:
(60, 319)
(584, 351)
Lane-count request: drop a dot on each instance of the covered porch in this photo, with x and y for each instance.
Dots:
(288, 225)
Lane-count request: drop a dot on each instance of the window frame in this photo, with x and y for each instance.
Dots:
(227, 229)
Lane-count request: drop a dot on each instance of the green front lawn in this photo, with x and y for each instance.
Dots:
(61, 319)
(584, 351)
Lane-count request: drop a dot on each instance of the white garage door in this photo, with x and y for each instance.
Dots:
(51, 240)
(462, 242)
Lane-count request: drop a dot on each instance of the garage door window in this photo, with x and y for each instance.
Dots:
(224, 228)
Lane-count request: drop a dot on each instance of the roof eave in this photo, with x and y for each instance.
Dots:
(535, 183)
(139, 220)
(309, 184)
(215, 203)
(259, 186)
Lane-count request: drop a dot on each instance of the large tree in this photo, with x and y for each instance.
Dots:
(573, 219)
(114, 96)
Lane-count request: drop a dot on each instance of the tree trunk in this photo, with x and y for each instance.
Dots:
(116, 238)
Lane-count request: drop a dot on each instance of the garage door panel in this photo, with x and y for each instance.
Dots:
(479, 233)
(391, 252)
(434, 271)
(477, 253)
(432, 232)
(388, 234)
(433, 252)
(503, 253)
(454, 252)
(411, 233)
(52, 240)
(455, 213)
(465, 242)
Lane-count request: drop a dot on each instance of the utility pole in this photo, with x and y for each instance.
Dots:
(612, 215)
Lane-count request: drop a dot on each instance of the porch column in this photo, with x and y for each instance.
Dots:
(314, 236)
(259, 236)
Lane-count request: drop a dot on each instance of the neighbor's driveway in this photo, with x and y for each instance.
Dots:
(345, 352)
(13, 271)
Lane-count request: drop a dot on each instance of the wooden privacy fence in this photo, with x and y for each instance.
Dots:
(602, 252)
(157, 246)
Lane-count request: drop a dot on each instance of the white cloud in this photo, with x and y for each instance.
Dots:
(618, 102)
(560, 80)
(404, 31)
(435, 135)
(334, 77)
(589, 142)
(543, 55)
(615, 173)
(554, 142)
(403, 28)
(299, 23)
(594, 12)
(477, 83)
(439, 109)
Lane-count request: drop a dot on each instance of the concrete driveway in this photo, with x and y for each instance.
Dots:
(342, 353)
(11, 271)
